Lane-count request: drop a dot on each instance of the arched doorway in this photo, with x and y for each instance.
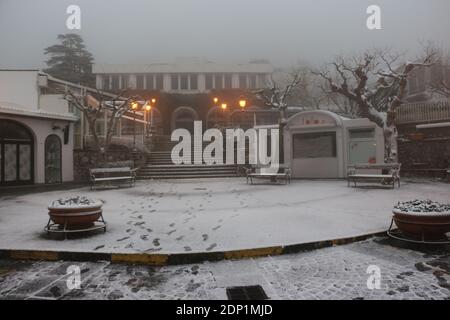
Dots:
(16, 153)
(184, 117)
(53, 172)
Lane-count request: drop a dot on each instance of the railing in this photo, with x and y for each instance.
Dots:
(423, 112)
(127, 141)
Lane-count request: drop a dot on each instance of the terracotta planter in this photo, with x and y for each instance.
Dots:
(423, 225)
(76, 217)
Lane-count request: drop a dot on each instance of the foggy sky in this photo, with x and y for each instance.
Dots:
(236, 31)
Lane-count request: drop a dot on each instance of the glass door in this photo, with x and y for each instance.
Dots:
(53, 159)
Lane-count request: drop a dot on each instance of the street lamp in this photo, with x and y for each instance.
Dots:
(216, 100)
(242, 103)
(223, 106)
(147, 108)
(134, 106)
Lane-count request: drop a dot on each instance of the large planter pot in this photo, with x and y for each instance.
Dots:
(73, 216)
(423, 225)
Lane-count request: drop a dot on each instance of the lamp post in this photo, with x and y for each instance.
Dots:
(147, 108)
(134, 106)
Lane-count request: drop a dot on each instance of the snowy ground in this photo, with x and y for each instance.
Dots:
(214, 215)
(331, 273)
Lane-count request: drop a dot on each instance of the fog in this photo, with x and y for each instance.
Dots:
(282, 31)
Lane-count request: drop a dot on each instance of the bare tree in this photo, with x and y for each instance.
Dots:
(442, 88)
(351, 78)
(92, 107)
(276, 96)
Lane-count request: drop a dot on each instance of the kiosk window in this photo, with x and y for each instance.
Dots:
(315, 145)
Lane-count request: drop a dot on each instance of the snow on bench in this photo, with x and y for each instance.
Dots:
(112, 174)
(392, 176)
(283, 172)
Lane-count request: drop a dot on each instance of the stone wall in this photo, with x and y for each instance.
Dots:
(424, 152)
(86, 159)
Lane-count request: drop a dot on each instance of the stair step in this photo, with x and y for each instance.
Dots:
(170, 172)
(187, 176)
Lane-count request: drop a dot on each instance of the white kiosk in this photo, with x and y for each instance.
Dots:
(320, 144)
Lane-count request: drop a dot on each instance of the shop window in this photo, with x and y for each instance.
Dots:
(314, 145)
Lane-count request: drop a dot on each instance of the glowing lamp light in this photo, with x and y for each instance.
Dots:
(216, 100)
(134, 105)
(242, 103)
(153, 101)
(223, 106)
(148, 107)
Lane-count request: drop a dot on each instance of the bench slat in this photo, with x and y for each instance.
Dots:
(110, 170)
(381, 176)
(113, 178)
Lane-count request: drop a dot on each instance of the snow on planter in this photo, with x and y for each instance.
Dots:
(75, 212)
(75, 202)
(424, 220)
(422, 207)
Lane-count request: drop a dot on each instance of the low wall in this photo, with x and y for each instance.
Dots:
(424, 152)
(86, 159)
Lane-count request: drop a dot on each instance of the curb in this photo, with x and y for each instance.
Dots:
(179, 258)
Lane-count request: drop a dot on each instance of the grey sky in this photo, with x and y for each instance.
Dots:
(283, 31)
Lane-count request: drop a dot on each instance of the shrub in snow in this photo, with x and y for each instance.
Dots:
(422, 206)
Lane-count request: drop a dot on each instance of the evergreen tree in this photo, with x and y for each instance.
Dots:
(70, 60)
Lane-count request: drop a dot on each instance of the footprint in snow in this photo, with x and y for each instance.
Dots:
(205, 237)
(211, 247)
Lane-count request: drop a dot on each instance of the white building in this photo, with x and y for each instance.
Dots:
(36, 130)
(182, 76)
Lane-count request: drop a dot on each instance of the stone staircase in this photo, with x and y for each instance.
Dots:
(159, 165)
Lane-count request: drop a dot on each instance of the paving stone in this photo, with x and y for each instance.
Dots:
(331, 273)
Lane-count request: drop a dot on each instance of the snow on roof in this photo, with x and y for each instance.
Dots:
(15, 109)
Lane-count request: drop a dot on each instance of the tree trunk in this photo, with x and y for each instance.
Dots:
(390, 143)
(282, 125)
(92, 128)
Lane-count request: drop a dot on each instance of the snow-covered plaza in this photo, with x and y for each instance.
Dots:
(208, 215)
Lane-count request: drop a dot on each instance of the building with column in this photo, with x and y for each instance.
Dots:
(185, 89)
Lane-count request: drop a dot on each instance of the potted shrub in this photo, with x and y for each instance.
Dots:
(423, 219)
(76, 212)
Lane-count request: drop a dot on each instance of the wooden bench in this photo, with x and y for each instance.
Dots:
(265, 172)
(392, 176)
(112, 174)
